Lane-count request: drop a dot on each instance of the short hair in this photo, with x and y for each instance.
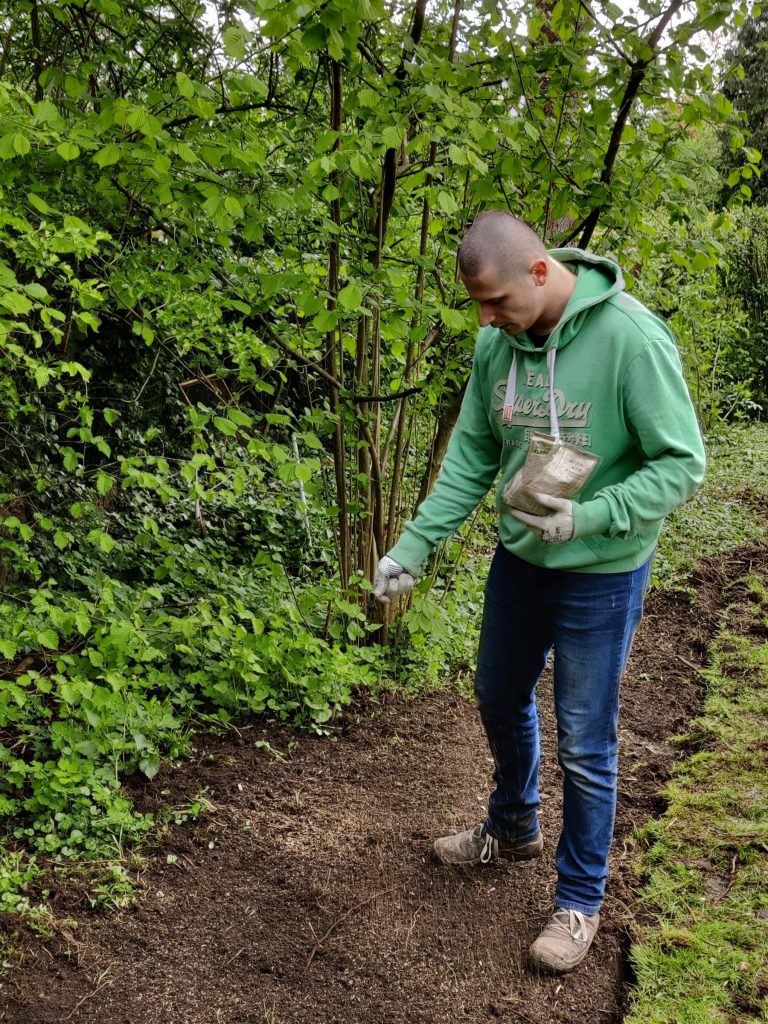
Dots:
(497, 239)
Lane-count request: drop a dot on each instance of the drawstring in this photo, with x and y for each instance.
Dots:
(510, 394)
(554, 426)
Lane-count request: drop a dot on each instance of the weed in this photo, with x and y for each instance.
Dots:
(190, 811)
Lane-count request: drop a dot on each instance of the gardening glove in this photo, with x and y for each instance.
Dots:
(391, 580)
(554, 528)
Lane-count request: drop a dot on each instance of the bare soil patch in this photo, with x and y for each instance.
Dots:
(308, 893)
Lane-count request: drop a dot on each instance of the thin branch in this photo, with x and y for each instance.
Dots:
(370, 56)
(298, 356)
(344, 916)
(38, 49)
(528, 111)
(639, 70)
(89, 995)
(241, 108)
(389, 170)
(606, 32)
(7, 46)
(482, 85)
(148, 379)
(360, 399)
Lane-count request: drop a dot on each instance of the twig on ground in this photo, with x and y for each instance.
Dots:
(228, 962)
(344, 916)
(690, 664)
(90, 995)
(721, 896)
(413, 924)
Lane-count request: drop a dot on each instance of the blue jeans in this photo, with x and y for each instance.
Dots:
(589, 619)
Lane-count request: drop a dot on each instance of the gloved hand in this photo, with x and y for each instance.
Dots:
(555, 528)
(391, 580)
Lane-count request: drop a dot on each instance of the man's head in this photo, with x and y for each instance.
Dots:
(506, 270)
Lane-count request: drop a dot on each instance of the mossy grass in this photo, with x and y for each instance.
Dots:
(704, 955)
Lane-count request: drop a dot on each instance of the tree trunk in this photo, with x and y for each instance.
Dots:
(445, 425)
(345, 566)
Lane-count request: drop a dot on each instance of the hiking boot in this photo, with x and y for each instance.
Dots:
(476, 846)
(565, 941)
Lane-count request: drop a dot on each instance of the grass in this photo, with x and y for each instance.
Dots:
(705, 956)
(729, 510)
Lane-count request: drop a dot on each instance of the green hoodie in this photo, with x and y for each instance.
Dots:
(619, 393)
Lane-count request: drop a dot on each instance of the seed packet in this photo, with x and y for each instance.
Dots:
(551, 467)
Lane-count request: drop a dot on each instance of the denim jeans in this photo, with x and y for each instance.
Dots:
(589, 619)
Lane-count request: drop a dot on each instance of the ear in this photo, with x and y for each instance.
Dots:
(540, 271)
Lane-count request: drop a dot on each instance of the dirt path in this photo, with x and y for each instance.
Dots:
(307, 893)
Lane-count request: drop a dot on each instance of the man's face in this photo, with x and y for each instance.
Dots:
(513, 305)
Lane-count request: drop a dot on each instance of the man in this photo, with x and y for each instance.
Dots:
(562, 350)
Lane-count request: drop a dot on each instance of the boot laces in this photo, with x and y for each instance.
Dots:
(573, 922)
(490, 849)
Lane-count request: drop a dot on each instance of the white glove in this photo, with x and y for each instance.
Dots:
(391, 580)
(555, 528)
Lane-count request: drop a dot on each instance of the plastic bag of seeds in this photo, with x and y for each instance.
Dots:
(552, 467)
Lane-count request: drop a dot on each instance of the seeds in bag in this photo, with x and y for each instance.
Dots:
(551, 467)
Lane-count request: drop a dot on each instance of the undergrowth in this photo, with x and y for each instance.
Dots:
(704, 957)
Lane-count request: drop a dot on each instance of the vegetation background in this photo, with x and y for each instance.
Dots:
(233, 344)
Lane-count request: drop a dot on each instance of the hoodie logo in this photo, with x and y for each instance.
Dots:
(533, 412)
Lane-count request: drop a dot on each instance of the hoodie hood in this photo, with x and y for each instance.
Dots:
(597, 279)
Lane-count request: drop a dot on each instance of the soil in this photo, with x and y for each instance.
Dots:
(306, 893)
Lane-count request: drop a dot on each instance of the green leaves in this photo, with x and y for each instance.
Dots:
(13, 144)
(47, 638)
(107, 156)
(21, 144)
(391, 137)
(38, 203)
(233, 206)
(184, 85)
(351, 296)
(68, 151)
(446, 202)
(8, 649)
(100, 539)
(326, 320)
(104, 483)
(226, 426)
(314, 37)
(454, 318)
(234, 38)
